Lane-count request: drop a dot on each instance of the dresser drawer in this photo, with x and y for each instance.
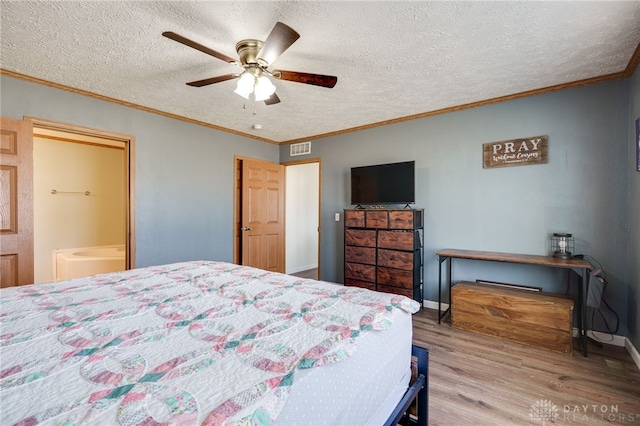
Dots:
(377, 219)
(413, 293)
(360, 237)
(407, 260)
(358, 271)
(383, 250)
(360, 254)
(405, 219)
(361, 284)
(399, 240)
(354, 218)
(398, 277)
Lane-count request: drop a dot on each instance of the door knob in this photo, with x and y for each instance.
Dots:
(245, 229)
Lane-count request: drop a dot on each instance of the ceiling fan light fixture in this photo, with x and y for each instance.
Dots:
(255, 56)
(264, 88)
(245, 85)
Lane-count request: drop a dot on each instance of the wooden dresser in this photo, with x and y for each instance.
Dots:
(383, 250)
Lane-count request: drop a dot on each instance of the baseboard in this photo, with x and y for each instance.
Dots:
(633, 352)
(434, 305)
(302, 268)
(609, 339)
(606, 338)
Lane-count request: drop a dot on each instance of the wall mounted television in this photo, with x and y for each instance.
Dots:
(383, 184)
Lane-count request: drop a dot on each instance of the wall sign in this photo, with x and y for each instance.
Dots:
(516, 152)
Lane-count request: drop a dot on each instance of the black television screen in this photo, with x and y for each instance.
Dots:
(392, 183)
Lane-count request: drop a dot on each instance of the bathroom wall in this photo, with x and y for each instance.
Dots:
(75, 220)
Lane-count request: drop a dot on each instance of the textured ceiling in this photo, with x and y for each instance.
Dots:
(393, 59)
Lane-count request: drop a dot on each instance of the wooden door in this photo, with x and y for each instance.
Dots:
(16, 203)
(262, 224)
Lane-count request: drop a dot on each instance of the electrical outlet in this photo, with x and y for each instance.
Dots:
(337, 217)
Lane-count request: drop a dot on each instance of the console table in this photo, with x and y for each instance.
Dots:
(553, 262)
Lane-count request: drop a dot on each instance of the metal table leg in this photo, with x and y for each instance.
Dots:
(441, 260)
(439, 289)
(584, 292)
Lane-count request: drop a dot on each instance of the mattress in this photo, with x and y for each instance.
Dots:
(361, 390)
(198, 343)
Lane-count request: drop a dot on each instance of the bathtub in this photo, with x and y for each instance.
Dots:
(84, 261)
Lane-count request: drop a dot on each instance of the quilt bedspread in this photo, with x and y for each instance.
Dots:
(187, 343)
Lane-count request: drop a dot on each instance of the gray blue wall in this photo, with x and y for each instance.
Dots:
(583, 189)
(183, 172)
(634, 217)
(184, 182)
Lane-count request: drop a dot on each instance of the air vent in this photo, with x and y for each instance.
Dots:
(301, 148)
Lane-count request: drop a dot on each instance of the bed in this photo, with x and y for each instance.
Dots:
(206, 343)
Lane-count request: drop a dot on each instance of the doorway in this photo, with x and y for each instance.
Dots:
(302, 212)
(83, 199)
(313, 184)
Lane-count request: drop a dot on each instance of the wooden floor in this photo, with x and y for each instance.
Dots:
(309, 273)
(479, 380)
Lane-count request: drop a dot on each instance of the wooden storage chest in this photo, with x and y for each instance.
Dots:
(532, 318)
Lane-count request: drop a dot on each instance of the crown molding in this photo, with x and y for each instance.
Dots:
(628, 72)
(129, 104)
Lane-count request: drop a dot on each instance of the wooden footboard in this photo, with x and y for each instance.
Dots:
(418, 392)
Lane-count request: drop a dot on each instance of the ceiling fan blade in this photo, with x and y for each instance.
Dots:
(212, 80)
(180, 39)
(281, 37)
(273, 99)
(302, 77)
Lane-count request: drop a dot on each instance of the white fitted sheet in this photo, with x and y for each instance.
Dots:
(361, 390)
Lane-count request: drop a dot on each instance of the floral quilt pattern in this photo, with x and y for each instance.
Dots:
(189, 343)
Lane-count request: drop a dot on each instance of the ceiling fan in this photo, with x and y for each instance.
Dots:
(255, 56)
